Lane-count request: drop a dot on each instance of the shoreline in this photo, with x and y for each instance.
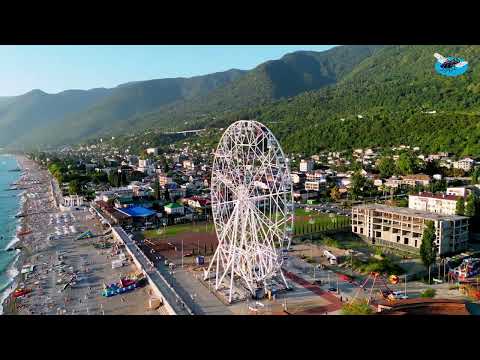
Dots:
(56, 260)
(19, 259)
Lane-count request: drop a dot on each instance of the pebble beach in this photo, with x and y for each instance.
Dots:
(63, 275)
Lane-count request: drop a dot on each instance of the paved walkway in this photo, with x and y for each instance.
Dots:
(208, 302)
(175, 301)
(334, 303)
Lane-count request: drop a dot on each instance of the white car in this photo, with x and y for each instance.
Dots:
(400, 295)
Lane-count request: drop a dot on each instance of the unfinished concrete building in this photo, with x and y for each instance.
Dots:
(402, 228)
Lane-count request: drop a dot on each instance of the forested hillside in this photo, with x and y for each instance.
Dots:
(346, 97)
(392, 92)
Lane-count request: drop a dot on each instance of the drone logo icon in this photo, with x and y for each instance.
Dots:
(450, 66)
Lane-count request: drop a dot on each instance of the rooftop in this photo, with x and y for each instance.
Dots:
(173, 205)
(416, 177)
(438, 196)
(412, 212)
(137, 211)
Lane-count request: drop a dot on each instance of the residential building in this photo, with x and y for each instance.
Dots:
(435, 203)
(188, 165)
(123, 201)
(402, 228)
(465, 164)
(113, 193)
(174, 209)
(152, 151)
(299, 195)
(198, 202)
(164, 179)
(297, 178)
(417, 179)
(463, 191)
(306, 165)
(314, 185)
(317, 175)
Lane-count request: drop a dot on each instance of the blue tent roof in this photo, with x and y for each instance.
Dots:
(137, 211)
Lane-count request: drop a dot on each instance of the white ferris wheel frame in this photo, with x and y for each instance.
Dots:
(252, 206)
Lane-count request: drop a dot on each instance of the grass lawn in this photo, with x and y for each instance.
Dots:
(312, 221)
(344, 243)
(179, 229)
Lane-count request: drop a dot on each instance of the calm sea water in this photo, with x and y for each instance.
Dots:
(9, 207)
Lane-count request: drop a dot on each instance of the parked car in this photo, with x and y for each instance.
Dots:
(399, 295)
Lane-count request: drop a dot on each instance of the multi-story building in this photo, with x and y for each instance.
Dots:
(435, 203)
(297, 178)
(163, 179)
(417, 179)
(306, 165)
(313, 185)
(409, 180)
(464, 164)
(393, 182)
(463, 191)
(402, 228)
(317, 175)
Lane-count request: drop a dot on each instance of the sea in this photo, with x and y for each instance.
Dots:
(10, 203)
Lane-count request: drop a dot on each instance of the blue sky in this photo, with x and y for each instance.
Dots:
(57, 68)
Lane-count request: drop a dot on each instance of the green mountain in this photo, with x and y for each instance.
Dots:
(291, 75)
(22, 115)
(182, 103)
(346, 97)
(38, 118)
(392, 91)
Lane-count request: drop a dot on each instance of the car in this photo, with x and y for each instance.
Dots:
(332, 289)
(399, 295)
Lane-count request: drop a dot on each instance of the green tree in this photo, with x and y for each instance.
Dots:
(460, 207)
(361, 186)
(428, 293)
(358, 182)
(470, 205)
(166, 194)
(386, 167)
(74, 187)
(476, 175)
(156, 188)
(357, 307)
(113, 178)
(428, 251)
(405, 164)
(402, 203)
(438, 186)
(335, 193)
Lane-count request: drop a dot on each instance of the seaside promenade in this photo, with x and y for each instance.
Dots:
(174, 304)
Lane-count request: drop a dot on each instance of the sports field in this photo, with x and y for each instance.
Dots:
(312, 221)
(179, 229)
(195, 239)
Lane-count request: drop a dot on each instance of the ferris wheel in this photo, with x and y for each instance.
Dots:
(252, 207)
